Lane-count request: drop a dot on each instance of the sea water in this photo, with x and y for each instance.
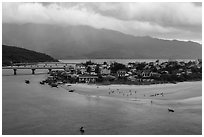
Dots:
(39, 109)
(123, 61)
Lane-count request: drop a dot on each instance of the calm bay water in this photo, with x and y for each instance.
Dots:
(123, 61)
(39, 109)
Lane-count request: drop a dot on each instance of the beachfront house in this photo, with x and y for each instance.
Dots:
(80, 68)
(157, 67)
(70, 69)
(93, 67)
(121, 73)
(105, 70)
(87, 78)
(188, 72)
(146, 74)
(132, 78)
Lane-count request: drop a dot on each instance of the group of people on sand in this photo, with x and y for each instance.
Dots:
(130, 93)
(123, 93)
(157, 94)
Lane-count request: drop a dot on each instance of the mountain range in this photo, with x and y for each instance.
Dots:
(83, 42)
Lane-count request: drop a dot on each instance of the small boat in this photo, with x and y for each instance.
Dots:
(54, 85)
(60, 82)
(82, 129)
(170, 110)
(71, 90)
(27, 81)
(42, 82)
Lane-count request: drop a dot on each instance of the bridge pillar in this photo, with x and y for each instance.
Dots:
(33, 71)
(14, 70)
(49, 70)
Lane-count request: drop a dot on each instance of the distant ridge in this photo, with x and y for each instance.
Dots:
(11, 54)
(83, 42)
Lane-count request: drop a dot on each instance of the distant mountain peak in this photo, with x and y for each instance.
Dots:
(86, 42)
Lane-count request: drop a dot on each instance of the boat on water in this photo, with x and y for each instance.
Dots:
(71, 90)
(82, 130)
(53, 85)
(27, 81)
(42, 82)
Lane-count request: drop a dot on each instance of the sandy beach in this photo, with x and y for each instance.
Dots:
(180, 92)
(57, 111)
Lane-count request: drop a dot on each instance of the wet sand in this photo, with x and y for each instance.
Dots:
(167, 92)
(39, 109)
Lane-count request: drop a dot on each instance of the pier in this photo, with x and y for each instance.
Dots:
(32, 66)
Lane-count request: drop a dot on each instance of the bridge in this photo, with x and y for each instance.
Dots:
(43, 63)
(33, 67)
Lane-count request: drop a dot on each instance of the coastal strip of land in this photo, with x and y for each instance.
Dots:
(185, 92)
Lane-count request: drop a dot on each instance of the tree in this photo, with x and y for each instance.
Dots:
(88, 69)
(88, 63)
(117, 66)
(100, 78)
(141, 66)
(97, 69)
(104, 63)
(157, 61)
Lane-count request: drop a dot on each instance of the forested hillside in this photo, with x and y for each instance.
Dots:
(11, 54)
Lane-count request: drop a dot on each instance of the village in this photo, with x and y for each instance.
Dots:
(138, 73)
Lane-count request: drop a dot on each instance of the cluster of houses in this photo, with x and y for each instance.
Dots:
(135, 72)
(87, 73)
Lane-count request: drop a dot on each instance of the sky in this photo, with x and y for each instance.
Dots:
(168, 20)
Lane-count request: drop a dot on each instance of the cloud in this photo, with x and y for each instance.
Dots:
(164, 14)
(175, 20)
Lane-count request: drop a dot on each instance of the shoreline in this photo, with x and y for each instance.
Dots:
(143, 91)
(125, 85)
(75, 109)
(153, 92)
